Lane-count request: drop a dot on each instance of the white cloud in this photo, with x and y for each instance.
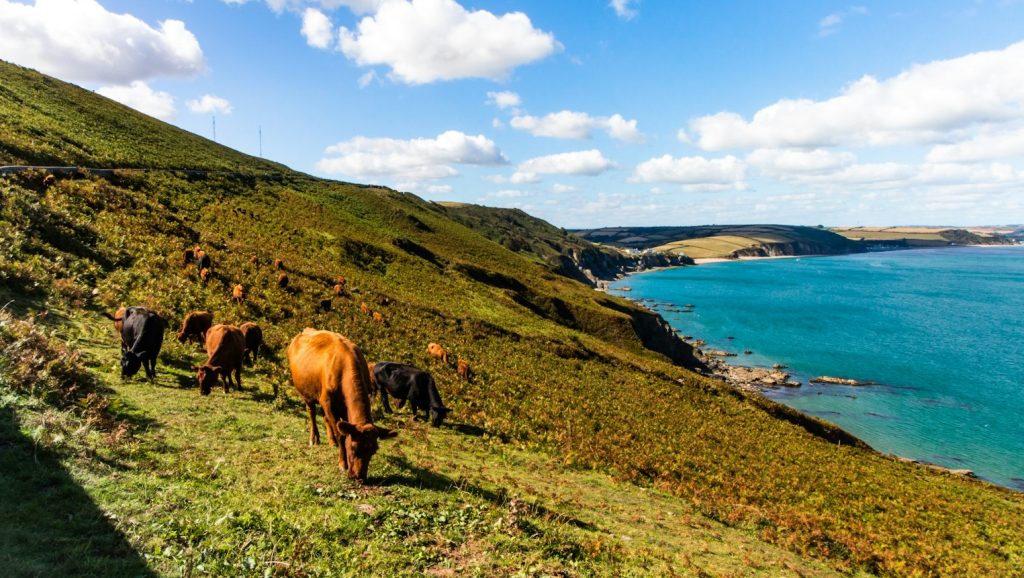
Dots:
(496, 123)
(507, 194)
(623, 8)
(80, 41)
(782, 162)
(439, 189)
(1006, 144)
(524, 177)
(425, 41)
(926, 104)
(560, 188)
(367, 78)
(698, 173)
(356, 6)
(209, 104)
(830, 24)
(577, 125)
(317, 29)
(504, 99)
(590, 163)
(415, 159)
(141, 97)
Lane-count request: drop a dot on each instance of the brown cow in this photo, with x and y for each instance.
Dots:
(282, 280)
(364, 308)
(225, 346)
(330, 370)
(464, 371)
(339, 280)
(435, 350)
(339, 290)
(238, 293)
(278, 264)
(188, 258)
(378, 317)
(202, 259)
(254, 260)
(194, 326)
(49, 181)
(253, 340)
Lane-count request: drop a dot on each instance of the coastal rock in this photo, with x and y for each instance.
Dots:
(778, 366)
(719, 353)
(755, 376)
(793, 384)
(839, 381)
(747, 352)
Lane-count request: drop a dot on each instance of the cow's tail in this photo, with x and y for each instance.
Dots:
(111, 317)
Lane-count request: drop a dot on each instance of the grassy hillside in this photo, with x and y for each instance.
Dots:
(924, 236)
(724, 241)
(575, 450)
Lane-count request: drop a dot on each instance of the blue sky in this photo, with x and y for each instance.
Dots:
(584, 113)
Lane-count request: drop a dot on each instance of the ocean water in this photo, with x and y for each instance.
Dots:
(941, 331)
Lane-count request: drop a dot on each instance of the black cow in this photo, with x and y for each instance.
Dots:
(142, 335)
(407, 383)
(202, 261)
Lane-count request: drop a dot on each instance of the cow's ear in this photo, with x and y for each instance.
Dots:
(384, 433)
(346, 428)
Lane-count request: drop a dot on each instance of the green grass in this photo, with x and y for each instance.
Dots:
(565, 396)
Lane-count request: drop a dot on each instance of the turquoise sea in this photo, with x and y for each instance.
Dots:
(941, 331)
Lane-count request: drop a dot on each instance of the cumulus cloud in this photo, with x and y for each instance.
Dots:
(80, 41)
(356, 6)
(209, 104)
(986, 146)
(970, 91)
(623, 8)
(560, 188)
(696, 173)
(830, 24)
(782, 162)
(141, 97)
(590, 163)
(414, 160)
(577, 125)
(504, 99)
(317, 29)
(425, 41)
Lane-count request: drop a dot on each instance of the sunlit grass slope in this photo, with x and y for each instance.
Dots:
(535, 472)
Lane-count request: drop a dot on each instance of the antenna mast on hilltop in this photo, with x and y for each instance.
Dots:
(214, 129)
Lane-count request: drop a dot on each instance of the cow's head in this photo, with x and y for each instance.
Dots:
(130, 363)
(360, 445)
(437, 415)
(207, 377)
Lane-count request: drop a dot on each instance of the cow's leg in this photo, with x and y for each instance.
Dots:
(332, 430)
(384, 400)
(314, 434)
(238, 376)
(226, 380)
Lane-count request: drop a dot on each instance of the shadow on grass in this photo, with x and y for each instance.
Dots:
(51, 527)
(416, 477)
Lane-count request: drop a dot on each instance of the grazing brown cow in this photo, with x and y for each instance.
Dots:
(253, 340)
(278, 264)
(330, 370)
(435, 350)
(378, 317)
(325, 305)
(339, 280)
(49, 181)
(225, 346)
(364, 308)
(188, 258)
(282, 280)
(202, 259)
(238, 293)
(464, 371)
(204, 274)
(339, 290)
(254, 260)
(194, 326)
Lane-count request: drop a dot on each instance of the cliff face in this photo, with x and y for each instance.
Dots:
(791, 249)
(594, 266)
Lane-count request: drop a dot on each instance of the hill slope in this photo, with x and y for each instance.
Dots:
(565, 392)
(563, 252)
(726, 241)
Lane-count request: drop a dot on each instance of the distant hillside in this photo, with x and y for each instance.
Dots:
(725, 241)
(581, 447)
(923, 236)
(562, 251)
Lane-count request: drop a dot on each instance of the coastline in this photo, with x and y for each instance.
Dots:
(756, 382)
